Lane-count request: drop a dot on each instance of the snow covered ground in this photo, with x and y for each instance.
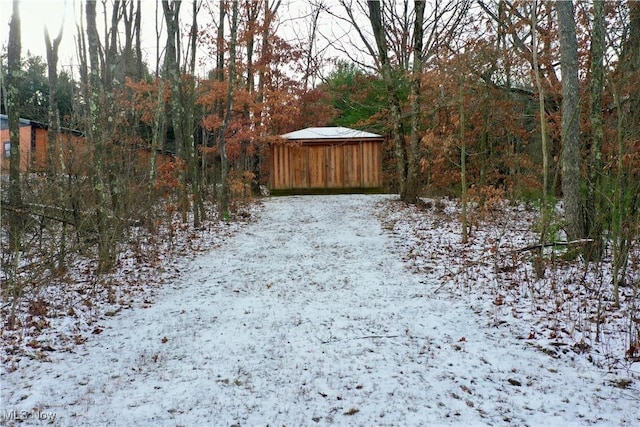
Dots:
(322, 312)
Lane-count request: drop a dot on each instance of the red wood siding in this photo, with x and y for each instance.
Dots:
(347, 164)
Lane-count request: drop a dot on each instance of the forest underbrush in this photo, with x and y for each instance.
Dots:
(571, 309)
(53, 298)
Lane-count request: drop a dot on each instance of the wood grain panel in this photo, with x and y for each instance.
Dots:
(330, 166)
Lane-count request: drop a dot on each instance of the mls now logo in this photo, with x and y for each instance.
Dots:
(15, 415)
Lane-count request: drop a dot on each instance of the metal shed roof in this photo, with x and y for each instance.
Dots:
(329, 133)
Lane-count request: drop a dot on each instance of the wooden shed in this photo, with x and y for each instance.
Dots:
(326, 160)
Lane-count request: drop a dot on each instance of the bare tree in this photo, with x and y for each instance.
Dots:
(270, 11)
(463, 164)
(224, 196)
(96, 134)
(131, 54)
(311, 60)
(595, 202)
(172, 70)
(183, 104)
(392, 51)
(253, 11)
(14, 213)
(625, 205)
(199, 212)
(13, 112)
(55, 154)
(539, 266)
(397, 126)
(571, 149)
(55, 158)
(630, 67)
(415, 100)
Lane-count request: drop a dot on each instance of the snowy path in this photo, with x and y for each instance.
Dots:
(308, 317)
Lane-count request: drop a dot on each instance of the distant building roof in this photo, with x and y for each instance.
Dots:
(4, 122)
(329, 133)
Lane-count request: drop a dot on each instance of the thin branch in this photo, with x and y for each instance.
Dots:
(366, 337)
(577, 242)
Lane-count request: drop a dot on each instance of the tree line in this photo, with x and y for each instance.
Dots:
(529, 100)
(522, 100)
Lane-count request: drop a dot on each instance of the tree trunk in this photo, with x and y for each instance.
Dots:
(397, 128)
(199, 212)
(463, 167)
(138, 29)
(55, 154)
(172, 69)
(630, 65)
(156, 143)
(127, 53)
(625, 197)
(55, 158)
(619, 241)
(253, 11)
(270, 10)
(16, 219)
(595, 202)
(158, 37)
(106, 243)
(571, 158)
(218, 108)
(224, 196)
(544, 209)
(413, 179)
(310, 61)
(111, 48)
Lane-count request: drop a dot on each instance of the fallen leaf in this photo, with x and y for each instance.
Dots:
(352, 411)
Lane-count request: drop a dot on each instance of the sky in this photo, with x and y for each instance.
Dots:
(36, 15)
